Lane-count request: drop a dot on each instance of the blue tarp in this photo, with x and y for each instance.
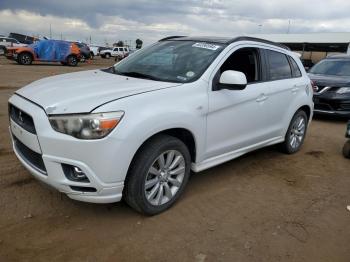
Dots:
(51, 50)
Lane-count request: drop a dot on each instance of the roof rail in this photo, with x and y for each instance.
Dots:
(248, 38)
(171, 37)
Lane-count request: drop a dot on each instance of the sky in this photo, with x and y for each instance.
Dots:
(150, 20)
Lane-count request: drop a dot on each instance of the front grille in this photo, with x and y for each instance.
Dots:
(22, 119)
(34, 159)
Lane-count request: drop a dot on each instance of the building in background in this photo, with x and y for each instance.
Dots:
(312, 46)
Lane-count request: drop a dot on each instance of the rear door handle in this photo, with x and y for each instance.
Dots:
(262, 98)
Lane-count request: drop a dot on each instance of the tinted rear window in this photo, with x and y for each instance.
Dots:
(279, 67)
(295, 68)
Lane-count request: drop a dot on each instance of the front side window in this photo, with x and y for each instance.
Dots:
(279, 67)
(335, 67)
(245, 60)
(172, 61)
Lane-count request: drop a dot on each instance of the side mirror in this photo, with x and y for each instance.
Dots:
(233, 80)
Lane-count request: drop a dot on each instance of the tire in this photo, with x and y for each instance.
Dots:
(91, 55)
(296, 132)
(164, 188)
(346, 149)
(25, 58)
(108, 55)
(72, 60)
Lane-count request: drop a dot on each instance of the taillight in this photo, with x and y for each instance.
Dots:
(314, 86)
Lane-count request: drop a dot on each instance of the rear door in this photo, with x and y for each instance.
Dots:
(284, 83)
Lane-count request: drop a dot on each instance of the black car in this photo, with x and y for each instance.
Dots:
(331, 80)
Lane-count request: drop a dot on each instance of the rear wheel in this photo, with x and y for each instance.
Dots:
(346, 149)
(72, 60)
(25, 58)
(295, 134)
(107, 55)
(157, 175)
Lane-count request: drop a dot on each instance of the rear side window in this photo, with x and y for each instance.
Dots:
(120, 49)
(279, 67)
(295, 68)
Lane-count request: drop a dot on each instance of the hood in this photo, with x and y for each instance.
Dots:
(82, 92)
(330, 80)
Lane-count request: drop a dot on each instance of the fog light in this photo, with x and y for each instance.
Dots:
(74, 173)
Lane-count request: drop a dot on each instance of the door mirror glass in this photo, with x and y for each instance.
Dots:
(233, 80)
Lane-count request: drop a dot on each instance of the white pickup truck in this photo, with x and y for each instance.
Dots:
(115, 52)
(6, 42)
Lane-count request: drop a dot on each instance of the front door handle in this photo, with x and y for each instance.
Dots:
(262, 98)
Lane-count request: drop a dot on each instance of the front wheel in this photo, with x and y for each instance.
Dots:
(157, 175)
(296, 132)
(25, 59)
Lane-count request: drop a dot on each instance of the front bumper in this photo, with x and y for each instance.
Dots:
(105, 171)
(331, 106)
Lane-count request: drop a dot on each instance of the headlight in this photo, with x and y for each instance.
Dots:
(89, 126)
(343, 90)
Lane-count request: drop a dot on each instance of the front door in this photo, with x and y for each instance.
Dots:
(237, 118)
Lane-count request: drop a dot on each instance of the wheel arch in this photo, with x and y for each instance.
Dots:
(28, 52)
(306, 109)
(183, 134)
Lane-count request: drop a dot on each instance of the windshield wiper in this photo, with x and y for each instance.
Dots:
(137, 75)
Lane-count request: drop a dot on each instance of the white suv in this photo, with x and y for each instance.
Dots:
(6, 42)
(137, 129)
(119, 52)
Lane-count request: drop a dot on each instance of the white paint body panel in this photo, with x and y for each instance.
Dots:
(225, 124)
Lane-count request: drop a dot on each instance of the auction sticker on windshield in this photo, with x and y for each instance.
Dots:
(206, 46)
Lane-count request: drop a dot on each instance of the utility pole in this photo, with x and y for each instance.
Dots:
(288, 30)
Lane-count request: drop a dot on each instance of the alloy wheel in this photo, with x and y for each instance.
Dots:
(165, 177)
(26, 59)
(297, 132)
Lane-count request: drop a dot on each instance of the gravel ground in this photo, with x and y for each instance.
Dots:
(264, 206)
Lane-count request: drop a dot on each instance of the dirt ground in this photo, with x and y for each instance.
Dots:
(264, 206)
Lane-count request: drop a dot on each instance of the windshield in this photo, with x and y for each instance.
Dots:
(332, 67)
(170, 61)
